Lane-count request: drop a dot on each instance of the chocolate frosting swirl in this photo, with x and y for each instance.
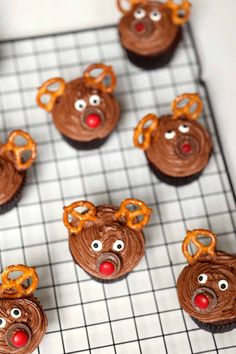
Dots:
(169, 157)
(32, 316)
(222, 267)
(159, 35)
(71, 122)
(108, 230)
(10, 180)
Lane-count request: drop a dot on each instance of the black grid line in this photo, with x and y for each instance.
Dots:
(34, 232)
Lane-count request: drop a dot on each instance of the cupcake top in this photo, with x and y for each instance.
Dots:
(207, 286)
(150, 27)
(107, 241)
(176, 144)
(14, 163)
(22, 320)
(83, 109)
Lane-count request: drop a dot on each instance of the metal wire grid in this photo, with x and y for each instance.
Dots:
(141, 313)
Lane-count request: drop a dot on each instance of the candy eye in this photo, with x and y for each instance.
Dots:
(94, 100)
(2, 323)
(170, 134)
(155, 15)
(183, 128)
(96, 245)
(118, 246)
(16, 313)
(223, 285)
(139, 13)
(202, 278)
(80, 105)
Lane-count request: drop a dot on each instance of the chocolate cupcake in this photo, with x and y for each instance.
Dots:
(22, 319)
(83, 110)
(177, 147)
(207, 286)
(107, 241)
(14, 161)
(151, 30)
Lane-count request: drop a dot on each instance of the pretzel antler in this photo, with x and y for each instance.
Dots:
(131, 216)
(15, 288)
(97, 82)
(192, 236)
(45, 91)
(17, 151)
(129, 2)
(181, 12)
(81, 218)
(145, 133)
(180, 108)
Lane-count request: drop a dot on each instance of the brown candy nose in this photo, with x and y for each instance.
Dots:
(19, 339)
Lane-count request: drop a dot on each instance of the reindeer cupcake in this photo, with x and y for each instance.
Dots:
(207, 286)
(15, 160)
(22, 320)
(107, 241)
(177, 147)
(83, 110)
(151, 30)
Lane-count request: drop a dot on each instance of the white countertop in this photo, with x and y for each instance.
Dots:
(214, 28)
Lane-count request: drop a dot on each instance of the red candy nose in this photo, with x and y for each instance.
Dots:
(139, 27)
(186, 148)
(201, 301)
(20, 339)
(107, 268)
(93, 120)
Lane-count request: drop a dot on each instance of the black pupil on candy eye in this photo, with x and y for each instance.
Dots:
(1, 321)
(16, 312)
(223, 286)
(200, 278)
(119, 246)
(95, 245)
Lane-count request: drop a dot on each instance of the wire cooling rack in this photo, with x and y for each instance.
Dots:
(141, 313)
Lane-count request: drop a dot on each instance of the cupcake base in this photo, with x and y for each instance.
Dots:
(15, 199)
(215, 328)
(154, 61)
(85, 145)
(174, 181)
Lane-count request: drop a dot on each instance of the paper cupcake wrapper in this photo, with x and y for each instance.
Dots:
(10, 204)
(215, 328)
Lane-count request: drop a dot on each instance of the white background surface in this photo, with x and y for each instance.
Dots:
(214, 28)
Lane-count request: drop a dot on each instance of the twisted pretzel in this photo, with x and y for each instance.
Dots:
(17, 285)
(131, 216)
(18, 151)
(90, 215)
(192, 98)
(44, 90)
(176, 9)
(98, 81)
(192, 236)
(131, 2)
(146, 133)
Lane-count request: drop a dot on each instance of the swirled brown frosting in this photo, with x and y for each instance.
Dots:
(32, 318)
(157, 37)
(10, 180)
(107, 230)
(71, 122)
(222, 267)
(186, 154)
